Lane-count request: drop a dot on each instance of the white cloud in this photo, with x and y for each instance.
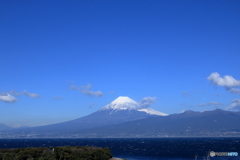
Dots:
(6, 97)
(15, 93)
(86, 90)
(226, 81)
(93, 93)
(234, 90)
(32, 95)
(146, 102)
(235, 105)
(215, 103)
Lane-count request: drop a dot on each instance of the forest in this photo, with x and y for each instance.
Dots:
(56, 153)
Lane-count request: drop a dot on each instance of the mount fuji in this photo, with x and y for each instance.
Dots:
(129, 105)
(4, 127)
(120, 110)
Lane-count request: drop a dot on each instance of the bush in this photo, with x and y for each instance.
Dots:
(59, 153)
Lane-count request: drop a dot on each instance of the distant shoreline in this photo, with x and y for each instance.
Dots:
(115, 158)
(117, 137)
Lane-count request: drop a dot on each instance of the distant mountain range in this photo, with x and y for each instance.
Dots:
(124, 118)
(4, 127)
(209, 123)
(120, 110)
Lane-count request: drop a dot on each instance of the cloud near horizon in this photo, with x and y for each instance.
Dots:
(234, 90)
(146, 102)
(6, 97)
(216, 104)
(235, 105)
(227, 81)
(86, 90)
(32, 95)
(210, 103)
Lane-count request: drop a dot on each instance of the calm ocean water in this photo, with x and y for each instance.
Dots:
(143, 148)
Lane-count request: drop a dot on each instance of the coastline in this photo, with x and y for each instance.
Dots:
(115, 158)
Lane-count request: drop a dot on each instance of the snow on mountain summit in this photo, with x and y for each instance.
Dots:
(126, 103)
(152, 112)
(122, 103)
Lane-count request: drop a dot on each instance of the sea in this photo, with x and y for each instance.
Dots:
(145, 148)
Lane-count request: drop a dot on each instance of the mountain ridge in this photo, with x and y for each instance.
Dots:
(209, 123)
(117, 120)
(120, 110)
(126, 103)
(4, 127)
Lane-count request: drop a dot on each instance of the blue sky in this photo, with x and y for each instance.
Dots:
(62, 60)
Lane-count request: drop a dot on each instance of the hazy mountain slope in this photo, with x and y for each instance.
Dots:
(4, 127)
(122, 109)
(209, 123)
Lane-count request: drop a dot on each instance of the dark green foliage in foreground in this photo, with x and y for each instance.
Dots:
(58, 153)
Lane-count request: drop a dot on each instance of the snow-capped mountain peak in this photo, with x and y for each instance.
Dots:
(152, 112)
(122, 103)
(126, 103)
